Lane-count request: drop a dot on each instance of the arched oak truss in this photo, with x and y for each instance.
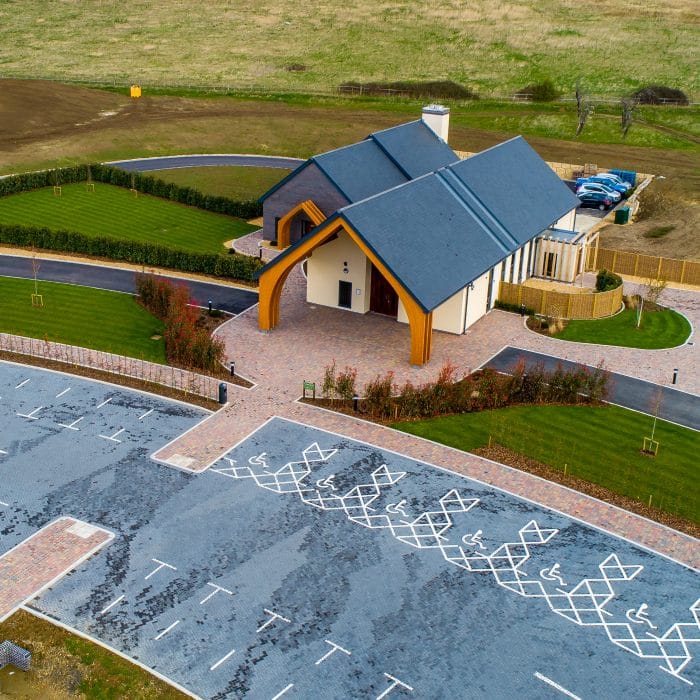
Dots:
(284, 225)
(272, 281)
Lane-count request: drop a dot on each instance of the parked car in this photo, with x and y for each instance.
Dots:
(607, 180)
(601, 189)
(598, 200)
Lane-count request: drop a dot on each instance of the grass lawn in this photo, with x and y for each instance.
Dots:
(66, 666)
(494, 48)
(224, 181)
(114, 211)
(90, 318)
(599, 444)
(659, 329)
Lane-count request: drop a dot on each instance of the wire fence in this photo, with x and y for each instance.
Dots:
(179, 379)
(325, 91)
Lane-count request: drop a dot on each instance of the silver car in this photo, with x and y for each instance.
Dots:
(600, 189)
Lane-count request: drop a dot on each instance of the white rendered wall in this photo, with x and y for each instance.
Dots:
(567, 221)
(495, 283)
(448, 317)
(325, 270)
(476, 300)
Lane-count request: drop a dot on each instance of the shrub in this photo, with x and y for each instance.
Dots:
(236, 266)
(378, 395)
(186, 344)
(328, 386)
(345, 383)
(515, 308)
(605, 281)
(660, 94)
(539, 92)
(426, 88)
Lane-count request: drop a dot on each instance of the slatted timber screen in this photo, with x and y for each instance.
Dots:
(646, 266)
(562, 304)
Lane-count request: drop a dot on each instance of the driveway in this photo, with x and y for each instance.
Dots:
(197, 161)
(230, 299)
(675, 406)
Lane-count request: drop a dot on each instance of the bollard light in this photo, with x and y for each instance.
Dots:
(209, 302)
(355, 399)
(675, 376)
(233, 369)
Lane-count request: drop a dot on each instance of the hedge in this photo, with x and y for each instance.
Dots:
(237, 266)
(138, 181)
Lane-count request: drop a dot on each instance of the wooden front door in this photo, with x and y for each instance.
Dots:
(383, 299)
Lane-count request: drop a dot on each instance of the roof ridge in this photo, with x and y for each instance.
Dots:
(455, 184)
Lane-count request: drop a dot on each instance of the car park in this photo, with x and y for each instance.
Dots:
(607, 180)
(600, 189)
(598, 200)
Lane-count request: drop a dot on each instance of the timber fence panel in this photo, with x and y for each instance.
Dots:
(562, 304)
(646, 266)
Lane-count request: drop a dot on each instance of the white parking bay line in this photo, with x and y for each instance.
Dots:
(31, 415)
(2, 503)
(65, 391)
(166, 630)
(560, 688)
(113, 438)
(104, 403)
(73, 424)
(21, 384)
(111, 605)
(222, 659)
(148, 413)
(283, 691)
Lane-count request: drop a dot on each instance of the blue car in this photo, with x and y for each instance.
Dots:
(610, 181)
(597, 200)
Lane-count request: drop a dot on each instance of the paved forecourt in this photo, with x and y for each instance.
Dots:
(306, 564)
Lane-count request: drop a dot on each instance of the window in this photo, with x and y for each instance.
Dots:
(550, 264)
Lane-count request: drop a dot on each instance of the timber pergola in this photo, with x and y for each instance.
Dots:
(273, 277)
(284, 225)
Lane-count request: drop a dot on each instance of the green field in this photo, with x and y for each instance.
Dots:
(114, 211)
(601, 445)
(494, 48)
(242, 183)
(658, 329)
(90, 318)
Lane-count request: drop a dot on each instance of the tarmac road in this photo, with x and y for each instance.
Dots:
(197, 161)
(230, 299)
(676, 406)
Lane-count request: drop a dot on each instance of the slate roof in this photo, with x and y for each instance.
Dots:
(441, 231)
(381, 161)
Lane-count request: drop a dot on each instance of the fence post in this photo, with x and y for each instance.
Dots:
(682, 272)
(658, 269)
(595, 298)
(614, 262)
(568, 306)
(636, 263)
(543, 302)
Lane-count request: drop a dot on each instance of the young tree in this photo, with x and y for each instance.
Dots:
(629, 106)
(584, 107)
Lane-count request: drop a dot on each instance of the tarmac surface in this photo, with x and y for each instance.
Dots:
(675, 406)
(308, 564)
(198, 161)
(233, 300)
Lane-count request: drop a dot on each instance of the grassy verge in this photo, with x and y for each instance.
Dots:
(114, 211)
(600, 445)
(241, 183)
(658, 329)
(67, 666)
(90, 318)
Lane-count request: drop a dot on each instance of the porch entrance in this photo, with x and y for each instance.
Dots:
(383, 299)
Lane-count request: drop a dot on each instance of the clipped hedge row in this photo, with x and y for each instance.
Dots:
(236, 266)
(138, 181)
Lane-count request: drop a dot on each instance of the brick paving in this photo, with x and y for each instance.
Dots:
(43, 558)
(308, 337)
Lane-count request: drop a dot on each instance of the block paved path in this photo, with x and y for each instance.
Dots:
(46, 556)
(309, 337)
